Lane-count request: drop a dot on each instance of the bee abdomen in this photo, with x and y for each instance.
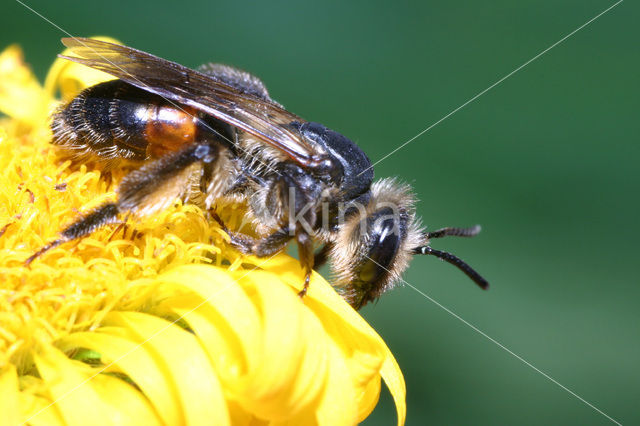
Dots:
(114, 120)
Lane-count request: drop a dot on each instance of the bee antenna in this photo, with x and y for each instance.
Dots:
(455, 232)
(456, 261)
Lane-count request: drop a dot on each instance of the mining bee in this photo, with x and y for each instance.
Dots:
(216, 131)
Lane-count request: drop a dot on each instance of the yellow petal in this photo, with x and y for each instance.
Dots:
(80, 393)
(301, 376)
(139, 363)
(395, 382)
(9, 406)
(226, 322)
(127, 406)
(334, 313)
(368, 399)
(165, 361)
(296, 374)
(338, 405)
(185, 365)
(21, 96)
(38, 411)
(71, 78)
(278, 385)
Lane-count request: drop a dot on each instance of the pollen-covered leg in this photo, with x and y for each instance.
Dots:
(154, 186)
(103, 215)
(142, 192)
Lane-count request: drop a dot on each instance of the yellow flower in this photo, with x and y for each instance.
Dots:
(158, 321)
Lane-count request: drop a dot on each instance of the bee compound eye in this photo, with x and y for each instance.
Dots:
(384, 237)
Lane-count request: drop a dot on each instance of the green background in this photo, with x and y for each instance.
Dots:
(547, 162)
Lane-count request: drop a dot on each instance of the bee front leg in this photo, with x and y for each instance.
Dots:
(264, 247)
(275, 242)
(246, 244)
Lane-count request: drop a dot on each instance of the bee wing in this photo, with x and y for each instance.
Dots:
(265, 120)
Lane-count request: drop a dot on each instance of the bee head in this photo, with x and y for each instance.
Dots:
(376, 242)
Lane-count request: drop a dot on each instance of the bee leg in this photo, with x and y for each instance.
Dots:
(155, 185)
(322, 255)
(262, 248)
(120, 226)
(272, 243)
(299, 210)
(241, 242)
(275, 243)
(145, 190)
(103, 215)
(108, 178)
(258, 247)
(306, 256)
(207, 175)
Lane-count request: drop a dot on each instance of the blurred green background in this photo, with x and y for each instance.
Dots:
(547, 162)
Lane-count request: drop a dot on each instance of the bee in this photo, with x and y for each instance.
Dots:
(217, 131)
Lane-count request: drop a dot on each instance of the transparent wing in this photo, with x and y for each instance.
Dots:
(265, 120)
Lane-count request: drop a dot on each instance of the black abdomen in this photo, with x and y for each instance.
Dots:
(115, 120)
